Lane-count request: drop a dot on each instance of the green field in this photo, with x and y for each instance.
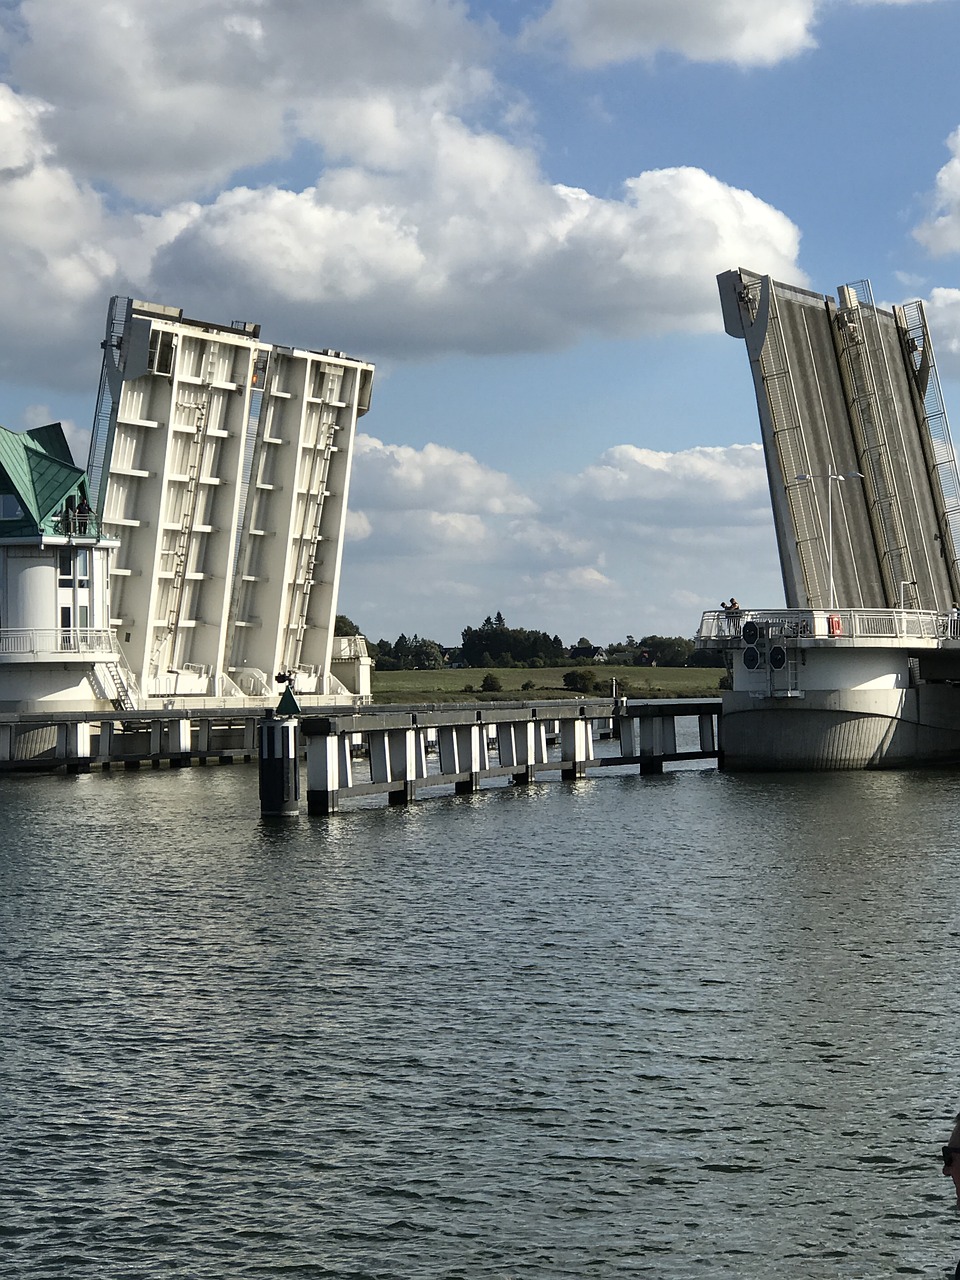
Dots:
(450, 686)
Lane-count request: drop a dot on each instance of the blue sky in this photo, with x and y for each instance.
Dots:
(517, 210)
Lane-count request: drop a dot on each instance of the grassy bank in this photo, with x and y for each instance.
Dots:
(451, 686)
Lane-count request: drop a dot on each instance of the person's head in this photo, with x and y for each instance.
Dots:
(951, 1158)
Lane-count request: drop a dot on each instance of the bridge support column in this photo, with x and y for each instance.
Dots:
(629, 735)
(408, 761)
(329, 767)
(576, 746)
(73, 746)
(708, 733)
(398, 755)
(512, 751)
(105, 747)
(6, 741)
(178, 743)
(463, 749)
(658, 737)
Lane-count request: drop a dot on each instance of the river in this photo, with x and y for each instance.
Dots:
(676, 1027)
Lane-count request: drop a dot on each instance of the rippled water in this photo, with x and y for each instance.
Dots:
(673, 1027)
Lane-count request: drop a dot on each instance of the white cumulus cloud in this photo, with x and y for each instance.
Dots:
(748, 33)
(645, 536)
(415, 227)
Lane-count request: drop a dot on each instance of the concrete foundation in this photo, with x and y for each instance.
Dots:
(842, 729)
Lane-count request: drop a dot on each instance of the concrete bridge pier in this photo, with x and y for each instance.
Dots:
(463, 749)
(650, 737)
(708, 734)
(73, 746)
(523, 745)
(398, 755)
(576, 746)
(329, 767)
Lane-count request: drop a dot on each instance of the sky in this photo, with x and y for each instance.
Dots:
(517, 209)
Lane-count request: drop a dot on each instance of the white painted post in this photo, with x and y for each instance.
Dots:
(178, 743)
(408, 761)
(507, 745)
(629, 736)
(329, 769)
(379, 756)
(475, 745)
(576, 746)
(448, 748)
(470, 752)
(73, 746)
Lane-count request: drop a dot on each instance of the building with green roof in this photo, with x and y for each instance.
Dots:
(57, 649)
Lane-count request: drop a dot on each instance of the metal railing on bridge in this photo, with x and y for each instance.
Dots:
(906, 625)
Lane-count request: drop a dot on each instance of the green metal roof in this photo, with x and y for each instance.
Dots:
(36, 467)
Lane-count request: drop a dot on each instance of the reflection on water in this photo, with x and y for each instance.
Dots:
(667, 1027)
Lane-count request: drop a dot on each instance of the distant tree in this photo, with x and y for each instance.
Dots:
(625, 649)
(580, 681)
(491, 684)
(528, 684)
(408, 653)
(668, 651)
(427, 655)
(584, 643)
(495, 644)
(345, 627)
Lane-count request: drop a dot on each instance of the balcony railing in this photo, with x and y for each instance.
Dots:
(37, 642)
(72, 524)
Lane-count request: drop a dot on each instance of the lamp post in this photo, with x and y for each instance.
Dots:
(830, 476)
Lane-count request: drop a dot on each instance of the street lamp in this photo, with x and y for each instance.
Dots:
(830, 476)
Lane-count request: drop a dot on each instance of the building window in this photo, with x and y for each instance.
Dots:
(73, 567)
(10, 508)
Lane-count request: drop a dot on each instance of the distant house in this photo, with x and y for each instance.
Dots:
(588, 653)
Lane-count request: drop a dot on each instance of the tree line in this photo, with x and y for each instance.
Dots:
(494, 644)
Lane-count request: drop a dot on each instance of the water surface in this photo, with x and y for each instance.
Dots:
(671, 1027)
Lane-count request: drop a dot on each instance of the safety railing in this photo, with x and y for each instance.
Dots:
(76, 524)
(37, 641)
(749, 625)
